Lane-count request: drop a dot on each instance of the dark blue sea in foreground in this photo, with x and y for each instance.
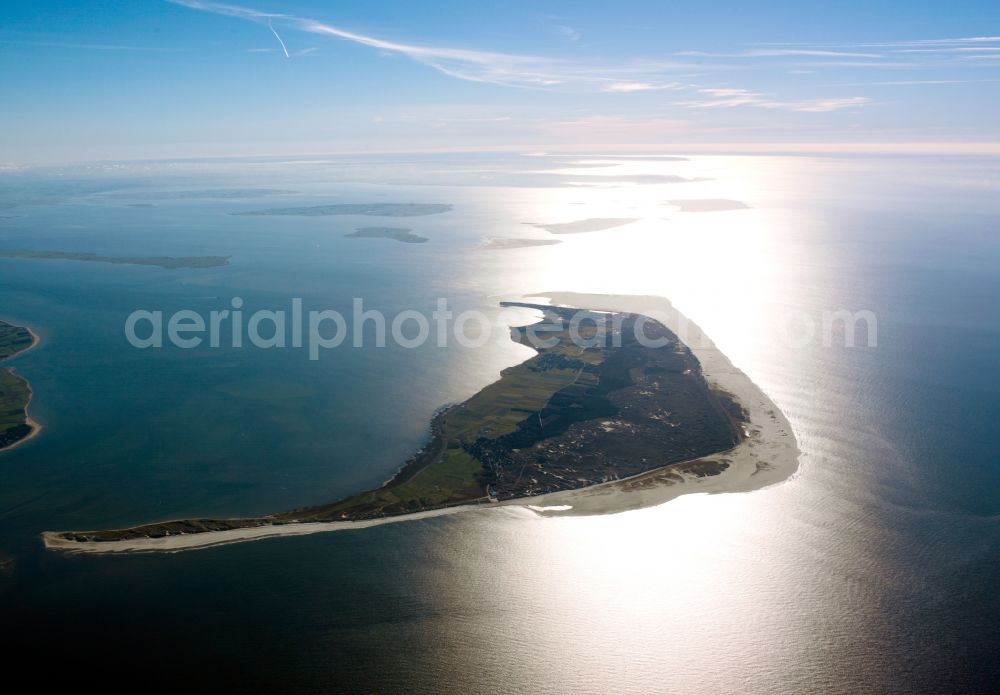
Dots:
(874, 569)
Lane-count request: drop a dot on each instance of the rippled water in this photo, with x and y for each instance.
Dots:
(873, 570)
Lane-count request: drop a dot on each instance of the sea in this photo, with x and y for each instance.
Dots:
(874, 568)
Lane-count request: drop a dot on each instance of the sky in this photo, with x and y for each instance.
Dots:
(84, 80)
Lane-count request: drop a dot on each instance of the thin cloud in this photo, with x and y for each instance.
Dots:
(625, 87)
(888, 44)
(917, 53)
(567, 31)
(781, 53)
(786, 52)
(725, 98)
(951, 49)
(904, 83)
(493, 67)
(472, 65)
(528, 71)
(969, 39)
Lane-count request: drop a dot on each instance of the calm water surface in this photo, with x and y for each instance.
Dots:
(873, 570)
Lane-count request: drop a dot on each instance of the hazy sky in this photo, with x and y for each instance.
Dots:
(88, 80)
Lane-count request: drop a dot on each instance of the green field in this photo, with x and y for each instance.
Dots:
(13, 339)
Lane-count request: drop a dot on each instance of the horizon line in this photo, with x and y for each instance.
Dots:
(596, 149)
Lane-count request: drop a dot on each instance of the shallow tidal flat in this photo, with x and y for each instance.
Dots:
(505, 243)
(169, 262)
(395, 233)
(368, 209)
(592, 224)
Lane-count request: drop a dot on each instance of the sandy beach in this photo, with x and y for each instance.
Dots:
(36, 340)
(768, 455)
(36, 429)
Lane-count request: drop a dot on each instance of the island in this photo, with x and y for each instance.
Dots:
(16, 426)
(510, 243)
(169, 262)
(364, 209)
(603, 180)
(597, 421)
(394, 233)
(202, 194)
(593, 224)
(709, 205)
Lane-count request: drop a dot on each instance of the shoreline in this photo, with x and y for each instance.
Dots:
(36, 427)
(766, 456)
(36, 340)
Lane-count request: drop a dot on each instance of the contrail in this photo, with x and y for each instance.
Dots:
(271, 27)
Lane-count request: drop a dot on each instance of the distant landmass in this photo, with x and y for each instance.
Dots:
(202, 194)
(606, 179)
(506, 243)
(170, 262)
(593, 224)
(15, 394)
(370, 209)
(395, 233)
(709, 205)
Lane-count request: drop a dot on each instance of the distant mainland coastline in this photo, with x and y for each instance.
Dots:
(169, 262)
(363, 209)
(201, 194)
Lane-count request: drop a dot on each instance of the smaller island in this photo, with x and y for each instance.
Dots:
(366, 209)
(15, 394)
(395, 233)
(593, 224)
(708, 205)
(508, 243)
(630, 179)
(203, 194)
(169, 262)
